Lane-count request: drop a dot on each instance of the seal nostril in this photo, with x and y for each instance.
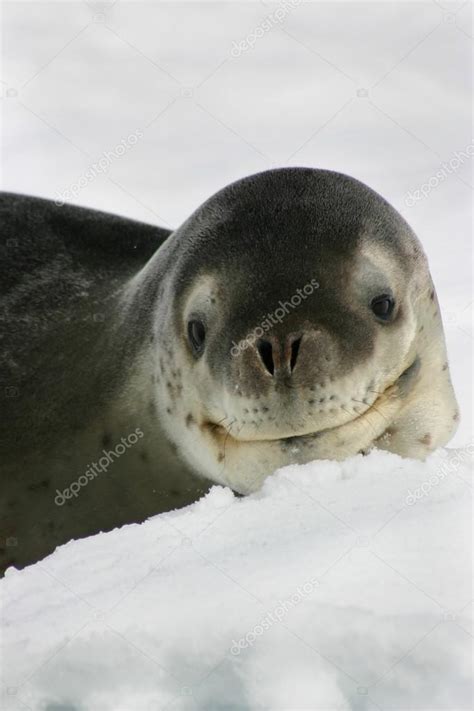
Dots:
(295, 347)
(265, 350)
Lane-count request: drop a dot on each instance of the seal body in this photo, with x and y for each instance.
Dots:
(292, 317)
(68, 355)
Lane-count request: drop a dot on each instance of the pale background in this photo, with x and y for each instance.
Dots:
(144, 617)
(379, 90)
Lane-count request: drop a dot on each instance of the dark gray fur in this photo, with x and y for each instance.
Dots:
(65, 346)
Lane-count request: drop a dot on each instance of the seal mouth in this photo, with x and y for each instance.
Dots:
(399, 388)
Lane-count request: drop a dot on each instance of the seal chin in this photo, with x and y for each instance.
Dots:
(397, 390)
(223, 434)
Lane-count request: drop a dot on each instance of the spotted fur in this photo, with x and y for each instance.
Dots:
(94, 345)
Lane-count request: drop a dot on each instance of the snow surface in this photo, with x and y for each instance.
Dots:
(338, 586)
(347, 586)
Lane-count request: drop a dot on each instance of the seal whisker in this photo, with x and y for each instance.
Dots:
(225, 441)
(365, 420)
(215, 425)
(361, 402)
(373, 407)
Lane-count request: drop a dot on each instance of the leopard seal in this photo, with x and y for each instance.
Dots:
(292, 317)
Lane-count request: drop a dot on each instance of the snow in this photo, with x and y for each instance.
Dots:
(339, 585)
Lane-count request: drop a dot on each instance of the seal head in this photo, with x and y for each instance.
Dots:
(299, 316)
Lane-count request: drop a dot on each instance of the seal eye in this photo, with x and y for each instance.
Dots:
(196, 335)
(383, 306)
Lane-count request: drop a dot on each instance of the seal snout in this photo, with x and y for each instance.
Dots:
(293, 359)
(279, 356)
